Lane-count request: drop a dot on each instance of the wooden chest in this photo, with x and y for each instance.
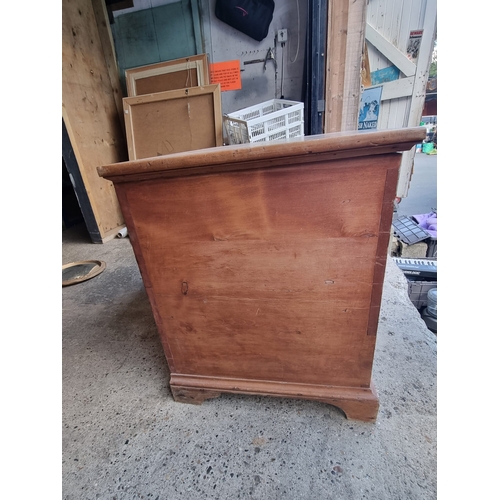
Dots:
(264, 263)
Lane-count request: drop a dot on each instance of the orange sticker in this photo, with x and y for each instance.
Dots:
(227, 74)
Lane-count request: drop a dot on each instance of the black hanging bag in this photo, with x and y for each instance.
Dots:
(251, 17)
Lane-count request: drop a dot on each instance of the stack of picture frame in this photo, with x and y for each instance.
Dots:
(172, 107)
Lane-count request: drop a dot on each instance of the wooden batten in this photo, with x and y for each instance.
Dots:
(345, 39)
(91, 109)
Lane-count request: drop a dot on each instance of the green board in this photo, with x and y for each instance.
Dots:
(155, 35)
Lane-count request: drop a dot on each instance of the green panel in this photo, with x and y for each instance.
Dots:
(174, 29)
(197, 26)
(135, 39)
(155, 35)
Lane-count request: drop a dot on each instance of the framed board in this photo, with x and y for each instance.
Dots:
(169, 75)
(173, 121)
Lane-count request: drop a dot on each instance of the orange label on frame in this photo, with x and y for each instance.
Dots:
(227, 74)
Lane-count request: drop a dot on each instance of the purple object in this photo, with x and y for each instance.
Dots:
(427, 222)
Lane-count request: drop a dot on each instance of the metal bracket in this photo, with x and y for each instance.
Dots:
(269, 57)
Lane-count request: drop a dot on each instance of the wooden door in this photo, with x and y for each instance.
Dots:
(400, 36)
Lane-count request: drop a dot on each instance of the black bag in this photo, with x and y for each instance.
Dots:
(251, 17)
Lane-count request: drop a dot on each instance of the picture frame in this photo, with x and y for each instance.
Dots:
(176, 74)
(173, 121)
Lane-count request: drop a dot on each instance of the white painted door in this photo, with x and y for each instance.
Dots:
(400, 36)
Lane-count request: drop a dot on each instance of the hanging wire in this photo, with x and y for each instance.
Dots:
(298, 32)
(189, 77)
(282, 69)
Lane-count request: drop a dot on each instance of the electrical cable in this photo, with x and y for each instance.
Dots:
(189, 77)
(282, 68)
(298, 32)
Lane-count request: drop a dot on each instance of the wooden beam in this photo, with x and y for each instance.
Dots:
(388, 50)
(423, 64)
(356, 24)
(398, 88)
(345, 39)
(336, 47)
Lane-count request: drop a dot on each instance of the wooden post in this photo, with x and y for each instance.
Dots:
(345, 38)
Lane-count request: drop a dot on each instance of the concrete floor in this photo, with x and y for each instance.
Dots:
(422, 193)
(125, 438)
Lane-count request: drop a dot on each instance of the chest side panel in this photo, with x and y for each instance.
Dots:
(267, 274)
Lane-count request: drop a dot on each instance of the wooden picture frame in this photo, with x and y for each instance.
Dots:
(181, 73)
(173, 121)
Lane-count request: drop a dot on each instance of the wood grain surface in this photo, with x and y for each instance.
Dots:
(268, 280)
(309, 149)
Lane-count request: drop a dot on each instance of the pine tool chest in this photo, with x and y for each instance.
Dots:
(264, 263)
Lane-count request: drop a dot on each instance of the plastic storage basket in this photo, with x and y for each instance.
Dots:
(418, 291)
(269, 121)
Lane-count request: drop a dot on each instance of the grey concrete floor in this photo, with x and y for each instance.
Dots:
(422, 194)
(124, 437)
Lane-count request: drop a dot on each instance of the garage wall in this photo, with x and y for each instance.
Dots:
(224, 43)
(160, 30)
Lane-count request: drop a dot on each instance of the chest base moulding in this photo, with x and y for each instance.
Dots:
(264, 264)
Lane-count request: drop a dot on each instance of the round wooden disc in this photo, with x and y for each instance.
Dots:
(76, 272)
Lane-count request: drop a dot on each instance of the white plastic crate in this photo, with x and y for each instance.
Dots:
(269, 121)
